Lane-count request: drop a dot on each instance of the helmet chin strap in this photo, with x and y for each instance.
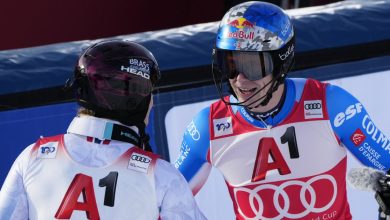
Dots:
(248, 99)
(265, 99)
(268, 95)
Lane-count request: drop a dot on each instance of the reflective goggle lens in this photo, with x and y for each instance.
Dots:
(254, 65)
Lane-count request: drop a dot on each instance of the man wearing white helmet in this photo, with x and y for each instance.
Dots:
(281, 144)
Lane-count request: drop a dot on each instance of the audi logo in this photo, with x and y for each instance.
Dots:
(310, 106)
(140, 159)
(280, 196)
(193, 132)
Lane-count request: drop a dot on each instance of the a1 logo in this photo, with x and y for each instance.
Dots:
(83, 185)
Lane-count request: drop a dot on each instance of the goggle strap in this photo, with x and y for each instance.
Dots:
(262, 65)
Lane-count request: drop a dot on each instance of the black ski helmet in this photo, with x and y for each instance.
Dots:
(115, 79)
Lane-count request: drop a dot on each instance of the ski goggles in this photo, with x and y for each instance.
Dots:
(254, 65)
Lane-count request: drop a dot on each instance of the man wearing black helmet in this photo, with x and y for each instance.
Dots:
(281, 144)
(101, 168)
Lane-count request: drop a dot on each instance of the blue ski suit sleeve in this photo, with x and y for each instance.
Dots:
(194, 149)
(355, 129)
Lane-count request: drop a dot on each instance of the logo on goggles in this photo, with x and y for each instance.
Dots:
(287, 54)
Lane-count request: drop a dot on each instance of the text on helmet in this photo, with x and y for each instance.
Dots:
(137, 67)
(286, 28)
(288, 52)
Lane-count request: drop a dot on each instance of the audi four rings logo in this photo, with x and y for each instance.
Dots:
(310, 106)
(140, 158)
(193, 131)
(282, 200)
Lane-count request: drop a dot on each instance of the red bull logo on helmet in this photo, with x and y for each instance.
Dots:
(241, 23)
(244, 27)
(241, 35)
